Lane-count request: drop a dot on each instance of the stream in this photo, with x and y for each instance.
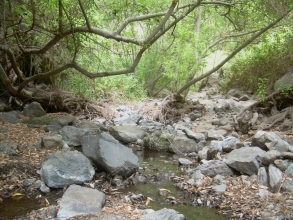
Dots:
(158, 164)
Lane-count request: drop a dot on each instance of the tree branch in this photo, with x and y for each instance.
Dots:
(245, 44)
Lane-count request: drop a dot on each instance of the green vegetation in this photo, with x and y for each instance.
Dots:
(134, 49)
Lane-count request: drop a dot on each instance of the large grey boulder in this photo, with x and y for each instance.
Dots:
(285, 82)
(275, 178)
(270, 141)
(183, 144)
(66, 168)
(127, 134)
(72, 135)
(12, 117)
(246, 160)
(214, 167)
(79, 200)
(163, 214)
(33, 109)
(109, 154)
(158, 141)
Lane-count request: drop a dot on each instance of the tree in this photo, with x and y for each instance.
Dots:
(40, 40)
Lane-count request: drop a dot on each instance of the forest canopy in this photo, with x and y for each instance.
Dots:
(101, 49)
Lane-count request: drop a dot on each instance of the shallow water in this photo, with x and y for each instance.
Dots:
(163, 164)
(160, 164)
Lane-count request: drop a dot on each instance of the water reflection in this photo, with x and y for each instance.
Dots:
(164, 164)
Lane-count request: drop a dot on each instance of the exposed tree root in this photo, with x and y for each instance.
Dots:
(58, 100)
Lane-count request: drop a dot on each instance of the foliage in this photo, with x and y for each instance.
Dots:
(257, 69)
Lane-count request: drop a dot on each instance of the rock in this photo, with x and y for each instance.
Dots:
(220, 122)
(214, 149)
(275, 178)
(197, 175)
(213, 135)
(214, 167)
(244, 98)
(282, 164)
(203, 153)
(106, 152)
(129, 118)
(52, 142)
(195, 136)
(149, 123)
(263, 193)
(288, 186)
(183, 144)
(270, 141)
(270, 157)
(284, 82)
(246, 160)
(237, 93)
(8, 148)
(93, 127)
(220, 188)
(158, 142)
(12, 117)
(163, 214)
(72, 135)
(289, 171)
(44, 188)
(79, 200)
(66, 168)
(183, 161)
(127, 134)
(262, 176)
(33, 109)
(229, 144)
(52, 128)
(287, 155)
(64, 121)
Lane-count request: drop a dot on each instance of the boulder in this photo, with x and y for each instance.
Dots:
(127, 134)
(285, 82)
(195, 136)
(128, 118)
(107, 153)
(183, 144)
(163, 214)
(275, 178)
(52, 142)
(158, 141)
(282, 164)
(270, 141)
(237, 93)
(33, 109)
(12, 117)
(66, 168)
(213, 135)
(246, 160)
(79, 200)
(270, 157)
(8, 148)
(213, 167)
(72, 135)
